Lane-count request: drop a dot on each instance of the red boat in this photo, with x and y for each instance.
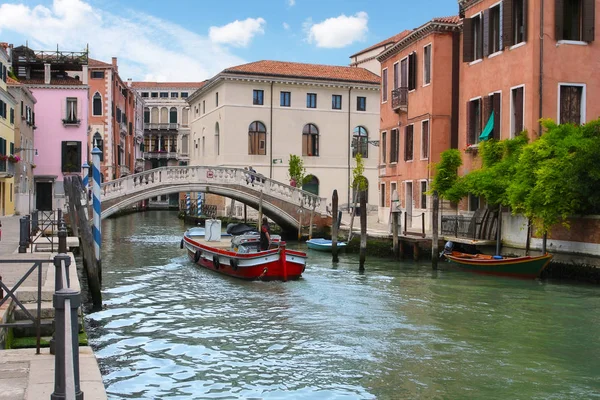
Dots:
(241, 258)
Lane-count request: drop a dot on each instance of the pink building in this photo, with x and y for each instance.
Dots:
(61, 118)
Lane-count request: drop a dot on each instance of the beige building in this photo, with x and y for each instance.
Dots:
(367, 58)
(260, 113)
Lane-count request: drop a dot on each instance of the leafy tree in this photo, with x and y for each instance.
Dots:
(446, 181)
(296, 170)
(359, 182)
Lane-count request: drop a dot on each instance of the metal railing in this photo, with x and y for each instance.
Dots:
(41, 226)
(207, 210)
(400, 99)
(459, 226)
(406, 232)
(164, 126)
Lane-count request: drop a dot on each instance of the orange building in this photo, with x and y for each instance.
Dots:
(112, 120)
(419, 106)
(523, 60)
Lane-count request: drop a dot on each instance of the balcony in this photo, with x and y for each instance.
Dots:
(160, 155)
(400, 99)
(161, 127)
(71, 122)
(7, 169)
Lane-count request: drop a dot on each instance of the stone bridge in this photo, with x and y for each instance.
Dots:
(280, 202)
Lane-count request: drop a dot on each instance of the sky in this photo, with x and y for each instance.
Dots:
(193, 40)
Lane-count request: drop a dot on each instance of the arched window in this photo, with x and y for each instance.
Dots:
(164, 115)
(311, 184)
(99, 143)
(173, 115)
(360, 142)
(310, 140)
(257, 138)
(154, 118)
(217, 136)
(97, 104)
(146, 115)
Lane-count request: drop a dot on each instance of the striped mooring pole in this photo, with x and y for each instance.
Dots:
(97, 205)
(188, 204)
(199, 204)
(86, 176)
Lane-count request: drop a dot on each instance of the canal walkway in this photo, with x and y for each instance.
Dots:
(25, 375)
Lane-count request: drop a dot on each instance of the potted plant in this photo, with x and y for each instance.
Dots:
(14, 159)
(296, 170)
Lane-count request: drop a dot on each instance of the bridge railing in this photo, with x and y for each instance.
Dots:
(211, 175)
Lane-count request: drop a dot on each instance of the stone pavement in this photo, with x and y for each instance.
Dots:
(23, 374)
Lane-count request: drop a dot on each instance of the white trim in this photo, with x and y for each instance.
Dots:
(516, 46)
(572, 42)
(495, 54)
(476, 61)
(386, 86)
(583, 101)
(400, 72)
(512, 134)
(429, 138)
(495, 4)
(421, 194)
(413, 142)
(430, 44)
(480, 16)
(393, 65)
(475, 98)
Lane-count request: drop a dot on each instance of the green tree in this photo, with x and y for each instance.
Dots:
(359, 182)
(446, 180)
(296, 170)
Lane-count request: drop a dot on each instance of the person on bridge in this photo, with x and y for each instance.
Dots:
(265, 235)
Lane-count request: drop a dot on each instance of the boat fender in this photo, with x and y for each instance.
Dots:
(497, 257)
(197, 255)
(234, 264)
(216, 262)
(181, 244)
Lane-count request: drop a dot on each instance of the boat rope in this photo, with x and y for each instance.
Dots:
(263, 273)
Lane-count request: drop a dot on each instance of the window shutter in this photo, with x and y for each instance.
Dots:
(470, 123)
(588, 11)
(559, 10)
(63, 156)
(78, 164)
(496, 104)
(487, 33)
(412, 71)
(525, 20)
(519, 111)
(468, 54)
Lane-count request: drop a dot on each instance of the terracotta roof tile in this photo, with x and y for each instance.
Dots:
(167, 85)
(391, 40)
(65, 81)
(12, 81)
(455, 19)
(98, 64)
(300, 70)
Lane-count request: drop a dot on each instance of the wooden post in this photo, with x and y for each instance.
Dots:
(352, 217)
(435, 230)
(405, 221)
(394, 215)
(544, 242)
(528, 241)
(416, 251)
(499, 231)
(363, 230)
(334, 227)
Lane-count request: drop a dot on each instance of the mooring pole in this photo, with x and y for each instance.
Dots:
(363, 230)
(435, 230)
(499, 231)
(260, 213)
(334, 226)
(394, 208)
(97, 205)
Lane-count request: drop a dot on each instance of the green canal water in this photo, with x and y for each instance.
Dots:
(171, 330)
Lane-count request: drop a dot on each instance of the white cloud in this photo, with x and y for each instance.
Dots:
(286, 26)
(291, 3)
(237, 33)
(338, 32)
(147, 47)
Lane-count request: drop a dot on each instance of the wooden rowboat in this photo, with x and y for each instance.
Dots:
(323, 244)
(519, 267)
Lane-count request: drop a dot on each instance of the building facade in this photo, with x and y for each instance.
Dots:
(58, 81)
(419, 77)
(7, 136)
(367, 58)
(258, 114)
(24, 146)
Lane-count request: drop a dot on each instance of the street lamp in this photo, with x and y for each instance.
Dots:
(19, 149)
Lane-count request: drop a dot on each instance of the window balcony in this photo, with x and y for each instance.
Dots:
(71, 122)
(161, 127)
(160, 155)
(7, 169)
(400, 99)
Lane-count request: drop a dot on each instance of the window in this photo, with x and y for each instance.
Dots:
(394, 188)
(383, 147)
(174, 95)
(146, 115)
(2, 109)
(425, 139)
(311, 100)
(164, 95)
(396, 75)
(571, 104)
(514, 22)
(184, 95)
(97, 104)
(144, 94)
(336, 102)
(71, 156)
(494, 42)
(257, 138)
(173, 115)
(423, 194)
(12, 116)
(575, 20)
(472, 39)
(217, 99)
(310, 140)
(518, 110)
(382, 196)
(473, 202)
(473, 121)
(427, 65)
(394, 145)
(203, 106)
(361, 103)
(154, 95)
(360, 141)
(217, 141)
(491, 105)
(285, 99)
(412, 71)
(97, 74)
(71, 115)
(384, 85)
(408, 143)
(258, 97)
(404, 73)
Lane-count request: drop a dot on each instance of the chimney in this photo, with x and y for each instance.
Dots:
(114, 64)
(84, 73)
(129, 82)
(47, 73)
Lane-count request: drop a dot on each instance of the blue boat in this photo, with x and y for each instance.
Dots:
(323, 244)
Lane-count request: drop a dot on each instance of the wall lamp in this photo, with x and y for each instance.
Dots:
(18, 149)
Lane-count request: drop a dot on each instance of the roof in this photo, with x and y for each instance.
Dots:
(391, 40)
(12, 81)
(454, 19)
(54, 81)
(98, 64)
(300, 70)
(167, 85)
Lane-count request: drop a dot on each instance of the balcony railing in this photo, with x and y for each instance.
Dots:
(160, 155)
(160, 127)
(400, 99)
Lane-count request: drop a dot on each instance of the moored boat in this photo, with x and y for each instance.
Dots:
(520, 267)
(242, 258)
(323, 244)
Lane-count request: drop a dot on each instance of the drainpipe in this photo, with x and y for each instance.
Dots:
(349, 141)
(271, 137)
(541, 83)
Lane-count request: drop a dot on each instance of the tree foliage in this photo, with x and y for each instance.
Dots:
(296, 170)
(359, 182)
(446, 180)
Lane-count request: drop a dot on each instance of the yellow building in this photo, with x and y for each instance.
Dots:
(7, 138)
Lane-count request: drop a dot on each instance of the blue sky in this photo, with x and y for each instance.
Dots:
(185, 40)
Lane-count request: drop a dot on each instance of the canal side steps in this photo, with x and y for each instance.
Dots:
(46, 319)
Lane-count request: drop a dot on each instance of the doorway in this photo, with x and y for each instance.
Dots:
(43, 198)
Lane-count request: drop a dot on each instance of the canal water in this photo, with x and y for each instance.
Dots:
(171, 330)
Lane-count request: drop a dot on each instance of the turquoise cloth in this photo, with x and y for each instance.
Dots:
(489, 128)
